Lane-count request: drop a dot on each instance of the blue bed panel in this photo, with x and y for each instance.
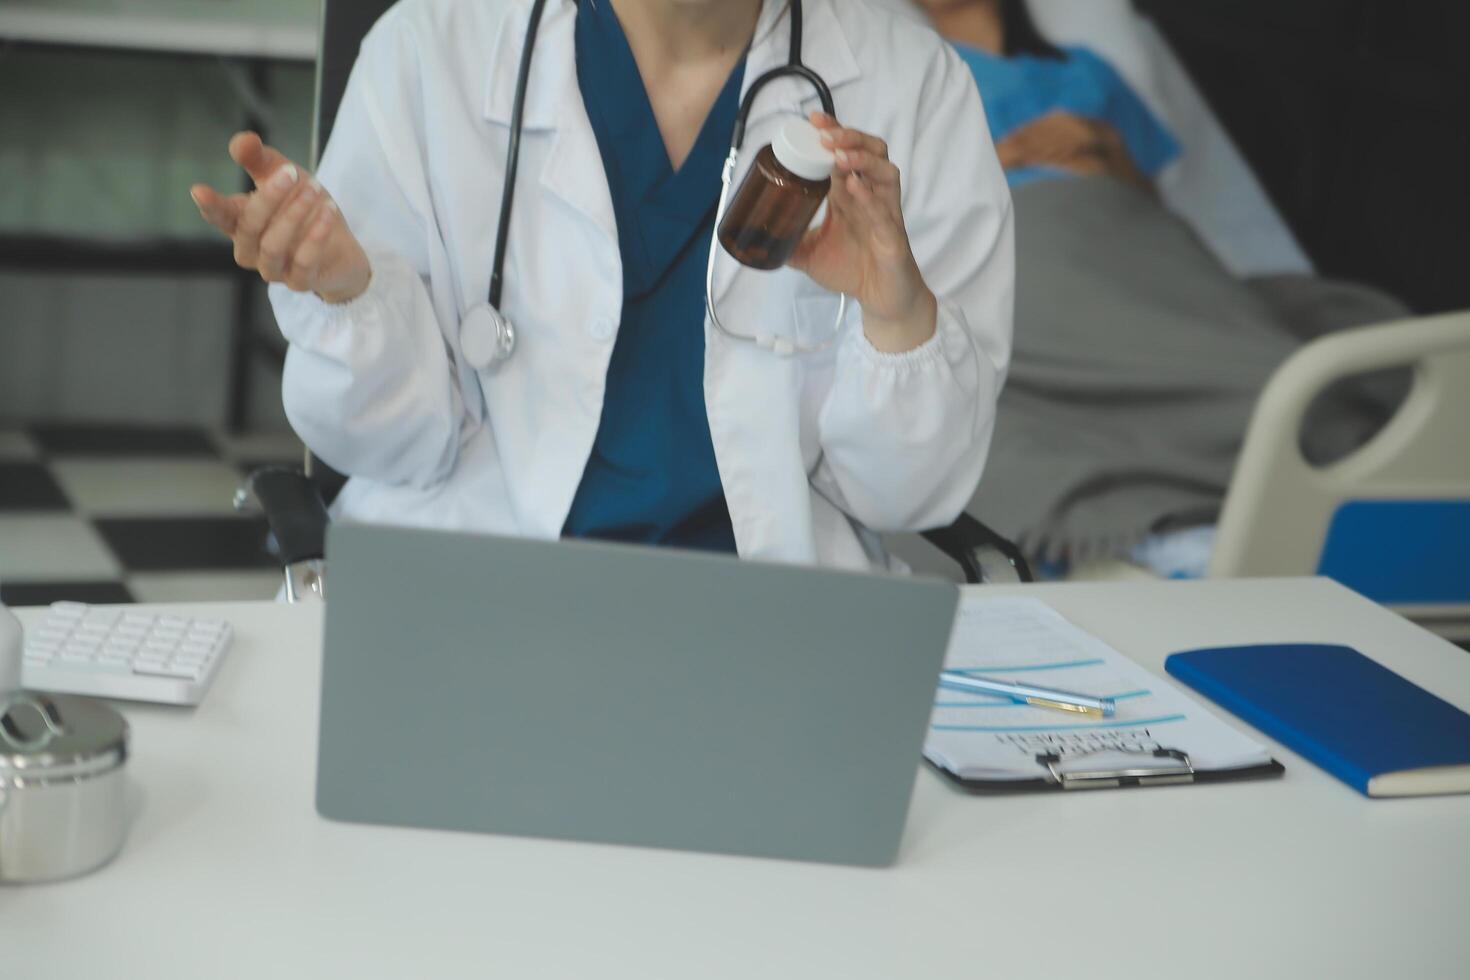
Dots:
(1401, 551)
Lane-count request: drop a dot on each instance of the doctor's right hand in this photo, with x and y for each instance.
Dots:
(289, 230)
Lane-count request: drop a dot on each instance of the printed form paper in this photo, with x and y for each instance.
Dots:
(979, 737)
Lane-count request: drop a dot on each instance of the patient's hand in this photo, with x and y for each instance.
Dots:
(1071, 142)
(288, 229)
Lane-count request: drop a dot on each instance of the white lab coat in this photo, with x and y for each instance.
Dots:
(815, 452)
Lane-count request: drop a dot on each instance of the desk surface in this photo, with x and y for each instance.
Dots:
(228, 871)
(169, 26)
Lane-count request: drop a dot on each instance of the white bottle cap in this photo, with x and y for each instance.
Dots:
(798, 147)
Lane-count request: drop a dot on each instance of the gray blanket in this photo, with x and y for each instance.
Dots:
(1138, 361)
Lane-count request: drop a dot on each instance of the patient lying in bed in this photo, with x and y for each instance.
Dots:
(1138, 357)
(1066, 112)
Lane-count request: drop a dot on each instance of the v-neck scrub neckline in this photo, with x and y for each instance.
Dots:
(652, 476)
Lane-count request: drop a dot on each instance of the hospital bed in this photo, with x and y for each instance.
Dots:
(1393, 518)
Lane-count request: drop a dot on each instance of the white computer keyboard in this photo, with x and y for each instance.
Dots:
(123, 653)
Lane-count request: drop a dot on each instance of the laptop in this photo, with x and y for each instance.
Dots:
(616, 694)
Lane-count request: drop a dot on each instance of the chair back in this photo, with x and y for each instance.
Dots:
(344, 24)
(1392, 520)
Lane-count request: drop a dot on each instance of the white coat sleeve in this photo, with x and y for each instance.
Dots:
(369, 385)
(904, 437)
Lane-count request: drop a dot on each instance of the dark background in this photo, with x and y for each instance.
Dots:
(1356, 116)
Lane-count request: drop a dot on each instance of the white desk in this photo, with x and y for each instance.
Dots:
(230, 873)
(177, 28)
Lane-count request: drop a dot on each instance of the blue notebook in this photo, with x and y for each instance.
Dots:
(1350, 715)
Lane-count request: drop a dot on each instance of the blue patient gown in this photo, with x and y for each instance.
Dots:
(1020, 90)
(652, 478)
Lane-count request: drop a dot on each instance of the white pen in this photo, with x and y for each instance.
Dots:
(1041, 697)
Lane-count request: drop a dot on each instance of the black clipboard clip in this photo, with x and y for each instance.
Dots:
(1113, 778)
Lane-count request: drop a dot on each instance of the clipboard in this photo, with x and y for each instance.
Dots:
(1158, 736)
(1050, 777)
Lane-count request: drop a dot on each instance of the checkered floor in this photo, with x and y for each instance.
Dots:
(109, 514)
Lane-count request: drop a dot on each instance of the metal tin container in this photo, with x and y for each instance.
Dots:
(63, 810)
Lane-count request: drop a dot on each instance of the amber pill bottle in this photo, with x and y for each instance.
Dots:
(779, 198)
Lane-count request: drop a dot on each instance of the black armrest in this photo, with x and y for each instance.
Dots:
(293, 507)
(978, 550)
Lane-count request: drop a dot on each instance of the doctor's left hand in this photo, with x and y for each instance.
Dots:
(862, 248)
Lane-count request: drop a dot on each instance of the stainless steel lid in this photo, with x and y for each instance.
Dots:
(51, 738)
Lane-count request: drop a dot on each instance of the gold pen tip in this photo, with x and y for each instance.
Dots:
(1077, 709)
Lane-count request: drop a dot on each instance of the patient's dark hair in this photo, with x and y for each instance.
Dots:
(1022, 34)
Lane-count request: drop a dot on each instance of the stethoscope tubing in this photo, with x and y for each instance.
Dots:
(794, 68)
(782, 346)
(505, 341)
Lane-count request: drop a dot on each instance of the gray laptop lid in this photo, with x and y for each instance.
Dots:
(624, 695)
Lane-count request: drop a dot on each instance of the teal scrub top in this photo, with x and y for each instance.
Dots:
(652, 476)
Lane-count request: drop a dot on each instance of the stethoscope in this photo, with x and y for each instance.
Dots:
(488, 338)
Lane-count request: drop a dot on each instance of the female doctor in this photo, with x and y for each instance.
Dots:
(623, 413)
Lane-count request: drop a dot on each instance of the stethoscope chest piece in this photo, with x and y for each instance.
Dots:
(486, 337)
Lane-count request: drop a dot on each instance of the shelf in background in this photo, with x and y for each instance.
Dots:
(180, 30)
